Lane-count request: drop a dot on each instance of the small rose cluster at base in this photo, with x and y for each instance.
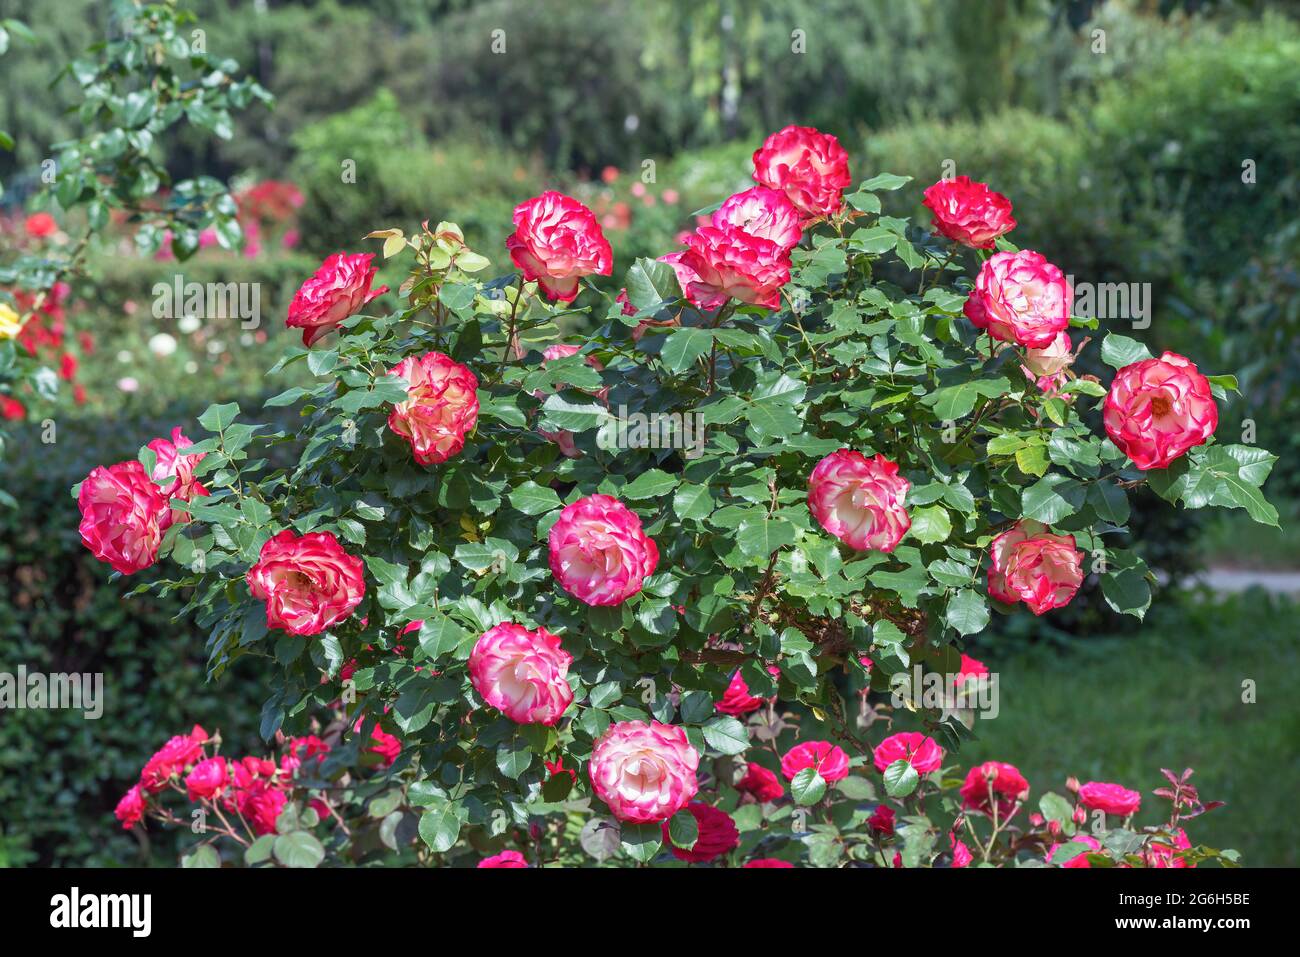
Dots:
(254, 789)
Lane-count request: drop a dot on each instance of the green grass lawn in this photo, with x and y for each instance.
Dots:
(1119, 709)
(1232, 539)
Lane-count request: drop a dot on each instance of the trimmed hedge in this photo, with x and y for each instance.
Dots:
(60, 774)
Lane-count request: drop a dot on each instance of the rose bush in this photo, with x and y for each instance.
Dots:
(600, 648)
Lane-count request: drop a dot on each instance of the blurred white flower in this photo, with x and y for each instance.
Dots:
(124, 356)
(162, 344)
(188, 324)
(216, 347)
(128, 384)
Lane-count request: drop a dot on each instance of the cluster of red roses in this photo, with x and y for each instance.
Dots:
(44, 334)
(254, 790)
(995, 791)
(599, 553)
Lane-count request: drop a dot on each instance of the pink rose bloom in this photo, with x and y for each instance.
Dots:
(180, 752)
(556, 242)
(122, 516)
(737, 700)
(809, 166)
(762, 212)
(130, 810)
(644, 772)
(1032, 565)
(994, 784)
(768, 862)
(171, 463)
(599, 554)
(1161, 852)
(1081, 859)
(968, 212)
(686, 275)
(308, 582)
(504, 859)
(717, 834)
(307, 747)
(822, 756)
(859, 500)
(731, 264)
(1020, 297)
(1110, 798)
(970, 668)
(381, 743)
(207, 780)
(961, 855)
(40, 225)
(882, 820)
(761, 783)
(440, 409)
(521, 673)
(339, 288)
(1050, 360)
(1157, 409)
(920, 751)
(261, 804)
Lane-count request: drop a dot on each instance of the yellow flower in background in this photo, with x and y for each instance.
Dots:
(10, 322)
